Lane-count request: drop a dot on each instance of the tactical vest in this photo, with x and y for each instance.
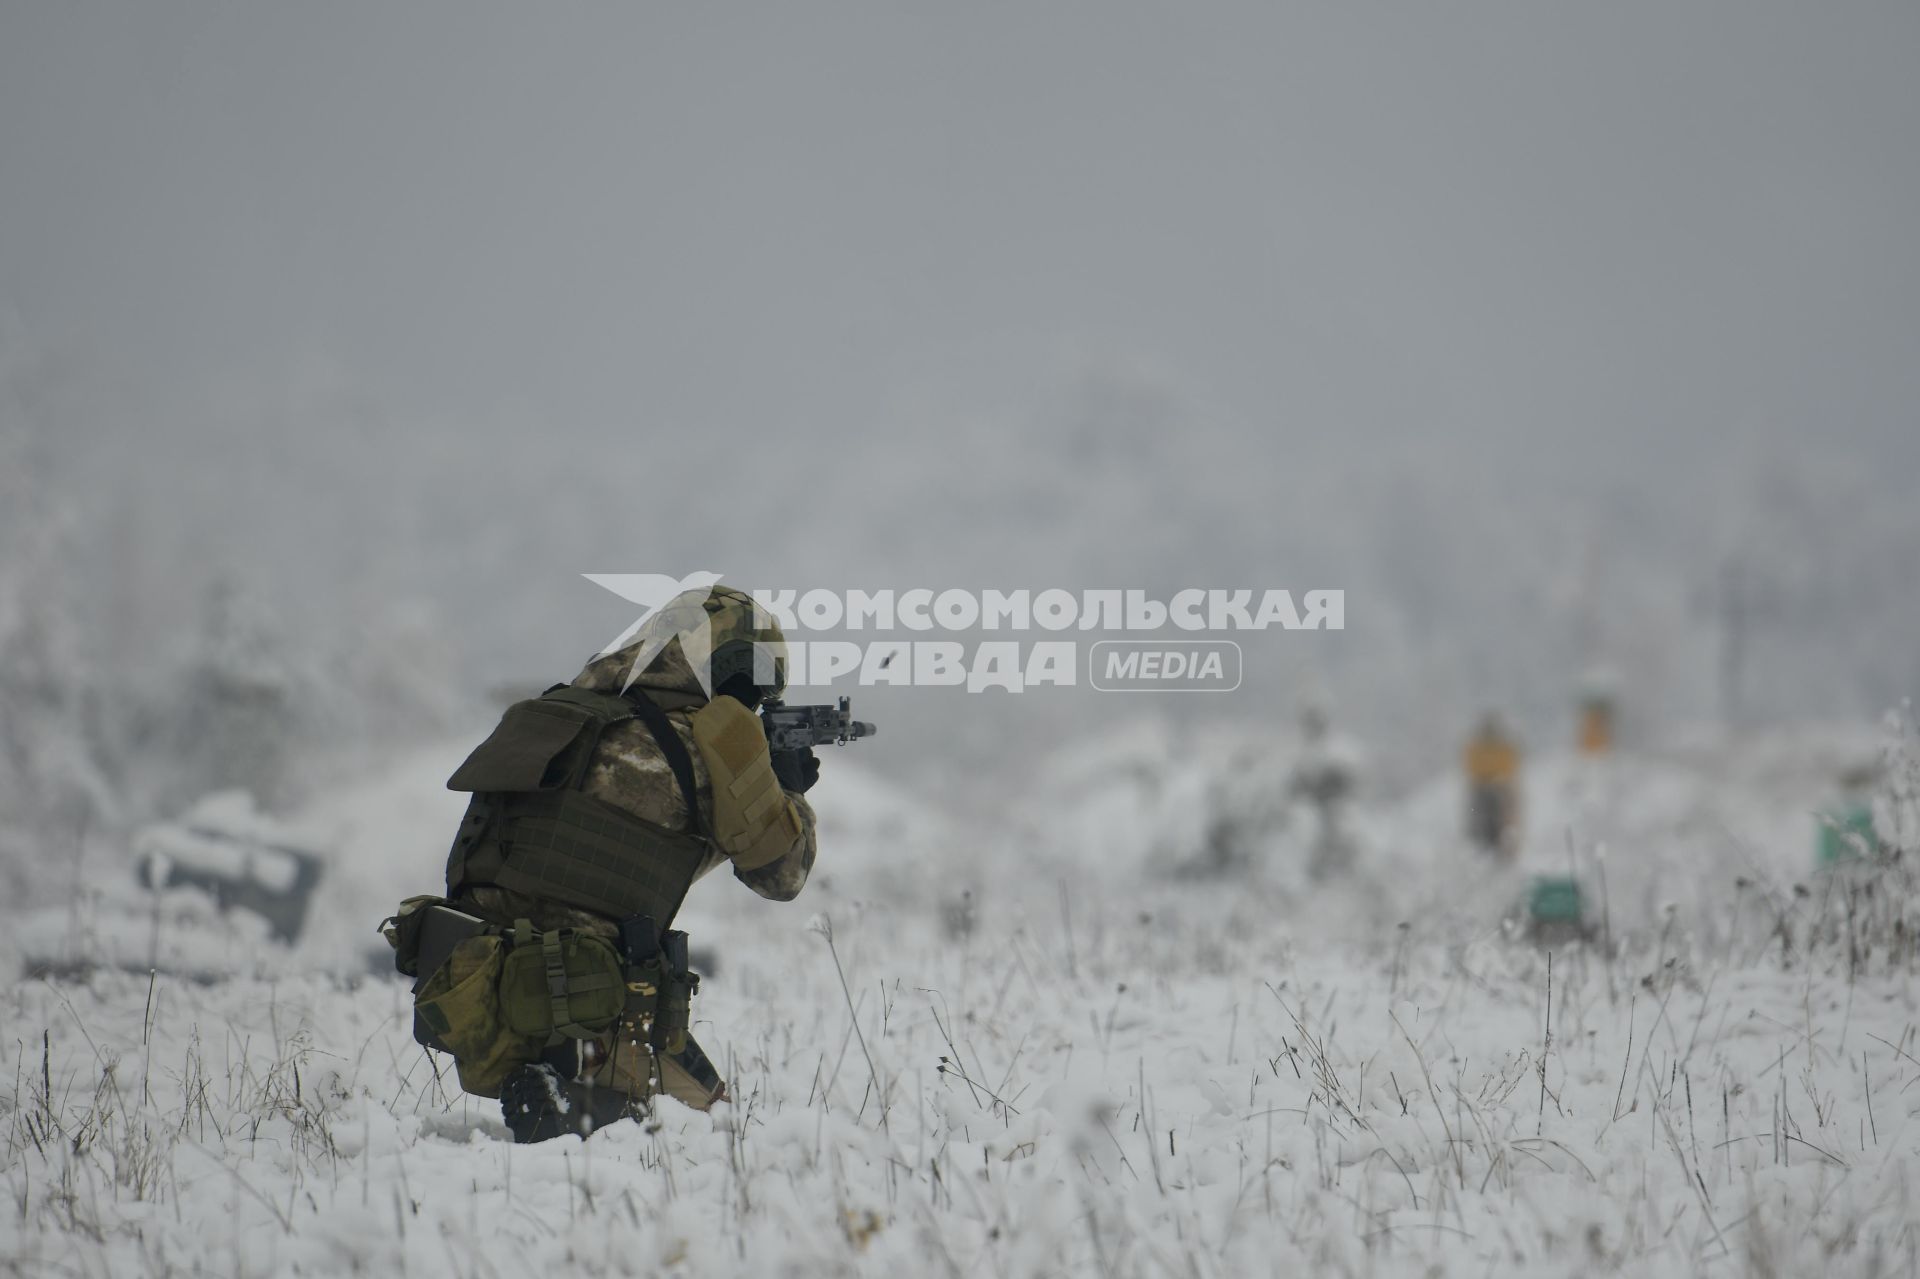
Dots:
(530, 829)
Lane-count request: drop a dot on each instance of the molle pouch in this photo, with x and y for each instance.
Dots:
(458, 1011)
(561, 983)
(752, 821)
(402, 930)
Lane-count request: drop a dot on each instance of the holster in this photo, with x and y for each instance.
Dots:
(660, 987)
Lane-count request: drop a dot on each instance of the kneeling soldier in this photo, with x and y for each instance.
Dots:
(551, 971)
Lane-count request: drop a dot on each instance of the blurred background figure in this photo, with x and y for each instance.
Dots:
(1323, 779)
(1847, 829)
(1596, 715)
(1247, 813)
(1492, 761)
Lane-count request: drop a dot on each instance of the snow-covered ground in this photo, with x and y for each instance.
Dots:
(1015, 1044)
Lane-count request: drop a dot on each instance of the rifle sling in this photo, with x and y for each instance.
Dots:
(673, 749)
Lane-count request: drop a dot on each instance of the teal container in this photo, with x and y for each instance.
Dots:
(1847, 834)
(1555, 899)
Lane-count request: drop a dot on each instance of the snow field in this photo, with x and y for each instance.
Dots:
(1192, 1093)
(1009, 1045)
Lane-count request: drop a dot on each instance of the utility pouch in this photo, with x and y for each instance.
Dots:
(561, 984)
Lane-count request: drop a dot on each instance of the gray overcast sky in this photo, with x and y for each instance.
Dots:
(1402, 277)
(1494, 220)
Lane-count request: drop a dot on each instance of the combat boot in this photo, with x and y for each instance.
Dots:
(539, 1105)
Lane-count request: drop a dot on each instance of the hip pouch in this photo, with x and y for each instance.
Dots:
(497, 1000)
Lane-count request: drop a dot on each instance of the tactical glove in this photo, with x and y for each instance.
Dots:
(796, 770)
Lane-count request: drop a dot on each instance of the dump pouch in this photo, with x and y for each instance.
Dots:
(752, 821)
(459, 1008)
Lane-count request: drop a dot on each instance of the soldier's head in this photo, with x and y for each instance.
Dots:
(707, 640)
(748, 659)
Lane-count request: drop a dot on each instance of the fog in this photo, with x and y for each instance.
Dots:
(1532, 329)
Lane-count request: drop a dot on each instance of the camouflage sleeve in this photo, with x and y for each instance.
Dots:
(782, 879)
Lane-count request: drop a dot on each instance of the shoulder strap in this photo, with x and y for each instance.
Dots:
(672, 748)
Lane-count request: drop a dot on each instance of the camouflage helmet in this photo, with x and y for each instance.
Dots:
(743, 637)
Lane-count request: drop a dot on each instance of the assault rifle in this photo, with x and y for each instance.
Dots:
(799, 728)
